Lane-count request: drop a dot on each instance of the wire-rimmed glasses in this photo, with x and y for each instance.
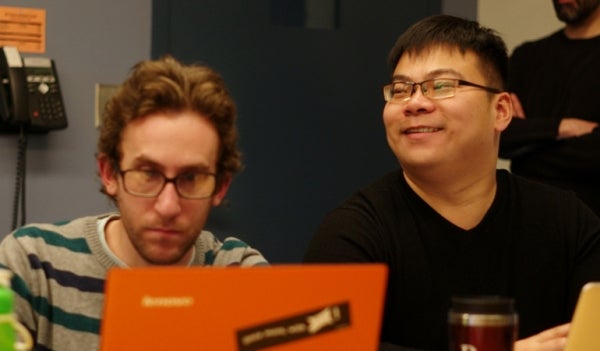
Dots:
(438, 88)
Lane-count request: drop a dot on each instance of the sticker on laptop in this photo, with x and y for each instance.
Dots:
(296, 327)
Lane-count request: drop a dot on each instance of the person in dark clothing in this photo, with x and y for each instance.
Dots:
(554, 80)
(448, 222)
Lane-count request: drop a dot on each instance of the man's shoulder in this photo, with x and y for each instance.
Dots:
(387, 194)
(533, 46)
(542, 197)
(68, 235)
(231, 251)
(381, 190)
(209, 241)
(389, 181)
(60, 246)
(523, 184)
(68, 228)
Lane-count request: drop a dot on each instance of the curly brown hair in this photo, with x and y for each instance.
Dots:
(166, 85)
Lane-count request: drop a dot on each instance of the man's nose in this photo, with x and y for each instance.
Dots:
(418, 102)
(168, 200)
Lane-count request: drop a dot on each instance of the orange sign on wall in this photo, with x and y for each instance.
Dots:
(24, 28)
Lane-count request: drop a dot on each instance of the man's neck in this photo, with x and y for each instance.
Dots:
(463, 202)
(586, 29)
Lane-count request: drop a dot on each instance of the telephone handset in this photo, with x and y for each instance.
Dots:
(30, 96)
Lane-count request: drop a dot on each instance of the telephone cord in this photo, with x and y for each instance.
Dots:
(19, 196)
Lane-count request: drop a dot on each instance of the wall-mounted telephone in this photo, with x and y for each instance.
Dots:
(30, 96)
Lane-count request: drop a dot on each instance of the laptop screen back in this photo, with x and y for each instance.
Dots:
(284, 307)
(584, 334)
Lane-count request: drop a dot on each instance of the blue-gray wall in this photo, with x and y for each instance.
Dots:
(92, 41)
(309, 102)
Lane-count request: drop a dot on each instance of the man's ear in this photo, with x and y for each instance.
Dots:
(220, 193)
(107, 174)
(504, 111)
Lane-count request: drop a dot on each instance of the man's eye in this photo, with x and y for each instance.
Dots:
(150, 175)
(442, 84)
(401, 89)
(188, 177)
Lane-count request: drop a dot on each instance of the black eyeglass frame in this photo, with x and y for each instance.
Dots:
(165, 181)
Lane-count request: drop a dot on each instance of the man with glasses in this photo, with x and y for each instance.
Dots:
(167, 152)
(449, 223)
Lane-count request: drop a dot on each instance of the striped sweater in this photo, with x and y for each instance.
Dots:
(59, 271)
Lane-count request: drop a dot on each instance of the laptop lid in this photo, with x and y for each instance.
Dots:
(585, 326)
(281, 307)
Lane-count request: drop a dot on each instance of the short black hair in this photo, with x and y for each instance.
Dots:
(456, 32)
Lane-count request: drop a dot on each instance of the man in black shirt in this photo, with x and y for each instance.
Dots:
(556, 138)
(448, 223)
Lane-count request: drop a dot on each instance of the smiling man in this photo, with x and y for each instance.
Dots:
(448, 222)
(166, 155)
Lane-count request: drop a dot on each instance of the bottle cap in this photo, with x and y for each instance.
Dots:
(5, 277)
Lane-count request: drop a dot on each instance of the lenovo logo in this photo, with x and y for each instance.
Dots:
(167, 301)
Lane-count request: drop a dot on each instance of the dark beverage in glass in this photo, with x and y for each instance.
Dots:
(482, 323)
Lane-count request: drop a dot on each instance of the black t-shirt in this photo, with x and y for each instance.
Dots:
(536, 244)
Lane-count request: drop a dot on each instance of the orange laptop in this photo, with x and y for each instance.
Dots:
(277, 308)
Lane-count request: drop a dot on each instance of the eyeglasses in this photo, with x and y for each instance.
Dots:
(439, 88)
(149, 183)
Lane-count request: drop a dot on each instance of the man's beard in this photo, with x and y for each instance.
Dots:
(575, 13)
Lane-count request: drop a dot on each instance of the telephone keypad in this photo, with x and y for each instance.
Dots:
(49, 108)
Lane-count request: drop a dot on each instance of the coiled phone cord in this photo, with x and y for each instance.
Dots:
(19, 197)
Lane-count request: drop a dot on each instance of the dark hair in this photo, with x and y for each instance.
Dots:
(455, 32)
(166, 85)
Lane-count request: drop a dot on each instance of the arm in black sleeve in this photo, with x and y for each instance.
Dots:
(343, 236)
(524, 135)
(351, 233)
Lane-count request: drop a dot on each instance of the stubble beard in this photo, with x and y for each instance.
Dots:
(575, 13)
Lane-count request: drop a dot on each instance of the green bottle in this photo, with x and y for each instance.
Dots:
(7, 332)
(9, 327)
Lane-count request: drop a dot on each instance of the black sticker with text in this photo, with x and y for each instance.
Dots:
(300, 326)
